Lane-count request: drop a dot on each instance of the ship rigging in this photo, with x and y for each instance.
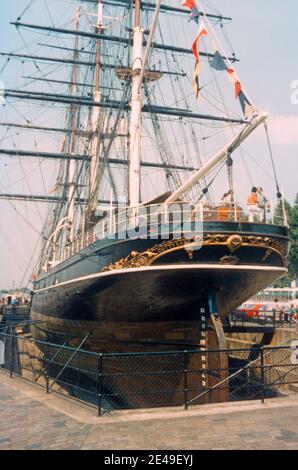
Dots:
(140, 104)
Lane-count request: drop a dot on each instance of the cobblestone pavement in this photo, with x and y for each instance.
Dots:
(30, 419)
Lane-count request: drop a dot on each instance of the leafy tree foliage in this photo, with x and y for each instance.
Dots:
(293, 221)
(292, 212)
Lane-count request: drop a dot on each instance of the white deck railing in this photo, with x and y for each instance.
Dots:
(153, 217)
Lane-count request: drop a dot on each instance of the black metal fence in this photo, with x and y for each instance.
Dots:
(143, 380)
(270, 318)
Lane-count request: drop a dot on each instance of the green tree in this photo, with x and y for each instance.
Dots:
(292, 213)
(293, 222)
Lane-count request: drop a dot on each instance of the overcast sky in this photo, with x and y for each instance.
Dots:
(265, 37)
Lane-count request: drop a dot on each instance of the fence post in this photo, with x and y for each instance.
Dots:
(47, 383)
(11, 354)
(47, 377)
(99, 385)
(185, 381)
(263, 373)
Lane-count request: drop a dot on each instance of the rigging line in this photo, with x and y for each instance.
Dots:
(30, 264)
(222, 131)
(223, 50)
(163, 144)
(25, 10)
(251, 181)
(221, 99)
(4, 65)
(5, 136)
(34, 61)
(27, 182)
(257, 163)
(176, 175)
(204, 151)
(25, 176)
(205, 191)
(17, 253)
(272, 157)
(59, 39)
(174, 134)
(26, 220)
(195, 143)
(15, 182)
(181, 125)
(212, 7)
(231, 115)
(46, 74)
(106, 149)
(225, 34)
(35, 144)
(228, 113)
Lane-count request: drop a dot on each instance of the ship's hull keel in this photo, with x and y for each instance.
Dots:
(156, 309)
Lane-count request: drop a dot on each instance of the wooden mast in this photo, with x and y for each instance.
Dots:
(94, 166)
(136, 109)
(72, 169)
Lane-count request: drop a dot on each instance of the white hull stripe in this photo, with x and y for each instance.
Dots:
(170, 267)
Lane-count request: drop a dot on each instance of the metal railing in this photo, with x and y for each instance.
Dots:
(144, 380)
(273, 372)
(273, 318)
(153, 216)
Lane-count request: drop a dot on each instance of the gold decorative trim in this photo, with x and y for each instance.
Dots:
(232, 242)
(146, 258)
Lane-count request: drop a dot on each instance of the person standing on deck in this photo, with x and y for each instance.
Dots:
(228, 197)
(262, 203)
(253, 205)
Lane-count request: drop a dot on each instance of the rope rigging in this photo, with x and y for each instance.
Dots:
(173, 139)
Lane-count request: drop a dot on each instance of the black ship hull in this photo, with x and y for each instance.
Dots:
(154, 295)
(131, 286)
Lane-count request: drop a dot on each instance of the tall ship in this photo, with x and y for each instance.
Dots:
(148, 121)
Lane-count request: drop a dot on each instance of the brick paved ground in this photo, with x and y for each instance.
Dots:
(30, 419)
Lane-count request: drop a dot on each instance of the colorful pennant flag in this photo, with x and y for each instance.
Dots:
(195, 83)
(188, 4)
(233, 77)
(246, 105)
(238, 88)
(218, 62)
(195, 50)
(202, 32)
(194, 15)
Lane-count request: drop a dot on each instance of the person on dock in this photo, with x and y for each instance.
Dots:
(295, 317)
(292, 313)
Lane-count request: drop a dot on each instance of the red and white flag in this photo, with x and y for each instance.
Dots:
(195, 50)
(233, 77)
(195, 47)
(189, 4)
